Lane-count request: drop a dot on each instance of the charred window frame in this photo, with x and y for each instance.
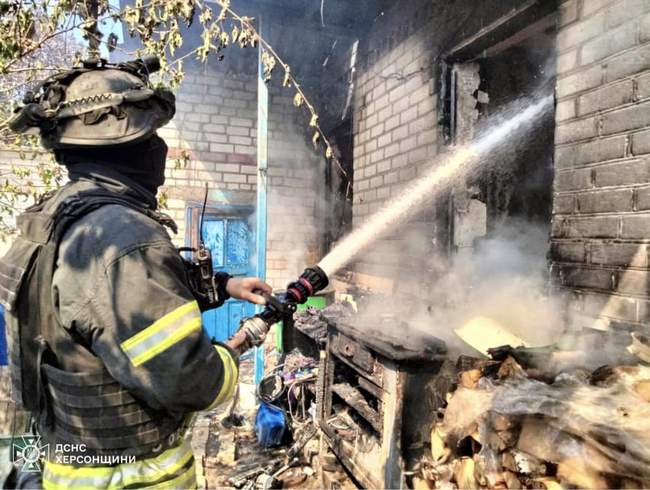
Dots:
(498, 35)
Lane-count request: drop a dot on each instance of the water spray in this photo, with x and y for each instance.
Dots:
(446, 170)
(455, 165)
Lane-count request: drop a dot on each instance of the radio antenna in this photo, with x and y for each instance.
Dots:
(205, 201)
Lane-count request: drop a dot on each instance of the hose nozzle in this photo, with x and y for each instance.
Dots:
(311, 281)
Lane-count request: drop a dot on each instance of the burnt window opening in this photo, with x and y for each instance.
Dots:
(478, 80)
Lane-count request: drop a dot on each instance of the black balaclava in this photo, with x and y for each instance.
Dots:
(143, 162)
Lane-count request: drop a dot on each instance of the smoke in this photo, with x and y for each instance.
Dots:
(504, 279)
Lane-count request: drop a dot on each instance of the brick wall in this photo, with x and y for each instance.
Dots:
(396, 131)
(601, 223)
(216, 122)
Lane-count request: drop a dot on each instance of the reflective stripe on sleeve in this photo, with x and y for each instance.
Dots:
(173, 468)
(163, 333)
(230, 377)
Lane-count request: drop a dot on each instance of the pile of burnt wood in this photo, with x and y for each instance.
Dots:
(544, 418)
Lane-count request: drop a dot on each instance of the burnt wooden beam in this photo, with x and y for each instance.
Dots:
(355, 399)
(503, 28)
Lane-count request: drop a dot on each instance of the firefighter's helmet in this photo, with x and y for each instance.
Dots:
(96, 105)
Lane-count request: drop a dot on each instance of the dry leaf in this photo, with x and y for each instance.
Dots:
(314, 121)
(298, 99)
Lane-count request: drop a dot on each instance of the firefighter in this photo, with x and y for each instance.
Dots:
(107, 348)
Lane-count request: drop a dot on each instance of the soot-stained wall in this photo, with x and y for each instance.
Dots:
(398, 131)
(601, 222)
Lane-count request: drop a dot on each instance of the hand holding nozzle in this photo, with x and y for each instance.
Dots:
(252, 331)
(251, 289)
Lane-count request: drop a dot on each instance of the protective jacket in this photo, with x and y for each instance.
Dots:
(106, 341)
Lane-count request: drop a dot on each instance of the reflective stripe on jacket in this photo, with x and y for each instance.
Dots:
(172, 469)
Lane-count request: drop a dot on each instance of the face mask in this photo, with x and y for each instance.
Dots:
(143, 162)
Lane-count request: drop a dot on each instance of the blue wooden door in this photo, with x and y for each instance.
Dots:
(230, 241)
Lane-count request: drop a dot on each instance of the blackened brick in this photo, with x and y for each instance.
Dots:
(634, 117)
(593, 227)
(643, 199)
(641, 143)
(637, 226)
(606, 201)
(575, 131)
(622, 173)
(595, 151)
(619, 254)
(570, 180)
(568, 252)
(643, 86)
(633, 282)
(564, 204)
(568, 12)
(606, 97)
(591, 278)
